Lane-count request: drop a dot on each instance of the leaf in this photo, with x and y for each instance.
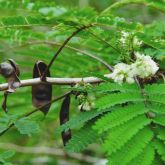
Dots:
(134, 147)
(145, 158)
(26, 126)
(7, 154)
(117, 98)
(80, 119)
(119, 116)
(118, 136)
(82, 139)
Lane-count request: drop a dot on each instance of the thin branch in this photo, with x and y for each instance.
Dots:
(162, 75)
(102, 40)
(140, 87)
(56, 81)
(52, 101)
(69, 47)
(62, 46)
(35, 110)
(49, 151)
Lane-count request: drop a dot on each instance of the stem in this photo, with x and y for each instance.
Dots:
(52, 151)
(35, 110)
(104, 42)
(69, 47)
(62, 46)
(56, 81)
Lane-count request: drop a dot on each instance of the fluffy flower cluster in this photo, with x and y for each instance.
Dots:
(86, 103)
(143, 67)
(125, 36)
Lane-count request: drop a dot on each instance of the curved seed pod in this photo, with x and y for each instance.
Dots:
(42, 93)
(15, 66)
(10, 71)
(64, 117)
(15, 82)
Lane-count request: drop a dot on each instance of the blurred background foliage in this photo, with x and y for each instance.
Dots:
(29, 43)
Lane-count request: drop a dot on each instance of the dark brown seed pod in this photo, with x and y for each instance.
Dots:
(42, 93)
(10, 71)
(64, 117)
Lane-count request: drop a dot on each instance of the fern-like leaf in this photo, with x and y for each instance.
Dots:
(80, 119)
(82, 139)
(145, 158)
(160, 120)
(118, 136)
(134, 147)
(117, 98)
(161, 133)
(159, 146)
(157, 108)
(118, 116)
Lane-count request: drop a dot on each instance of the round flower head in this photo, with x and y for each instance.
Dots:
(125, 36)
(122, 72)
(144, 66)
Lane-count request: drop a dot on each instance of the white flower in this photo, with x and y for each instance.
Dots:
(137, 42)
(144, 66)
(86, 106)
(124, 37)
(122, 72)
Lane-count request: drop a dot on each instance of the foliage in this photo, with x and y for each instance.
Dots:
(128, 120)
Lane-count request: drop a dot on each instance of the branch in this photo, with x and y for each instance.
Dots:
(49, 151)
(62, 46)
(35, 110)
(56, 81)
(68, 47)
(102, 40)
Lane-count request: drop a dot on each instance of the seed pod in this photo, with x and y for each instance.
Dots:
(42, 93)
(10, 71)
(64, 117)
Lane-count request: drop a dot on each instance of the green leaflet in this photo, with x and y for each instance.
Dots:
(82, 139)
(112, 87)
(145, 158)
(157, 108)
(160, 120)
(118, 136)
(159, 146)
(119, 116)
(157, 99)
(26, 126)
(80, 119)
(160, 133)
(155, 89)
(117, 98)
(134, 147)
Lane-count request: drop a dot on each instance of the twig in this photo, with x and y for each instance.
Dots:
(162, 75)
(104, 42)
(62, 46)
(57, 81)
(141, 90)
(35, 110)
(69, 47)
(49, 151)
(146, 103)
